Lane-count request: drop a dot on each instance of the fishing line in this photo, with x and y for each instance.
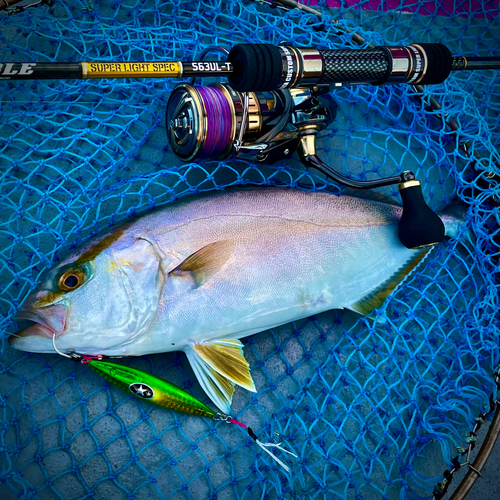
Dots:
(218, 122)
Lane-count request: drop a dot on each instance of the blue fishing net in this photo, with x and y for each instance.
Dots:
(373, 407)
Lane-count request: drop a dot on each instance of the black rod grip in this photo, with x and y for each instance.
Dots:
(256, 67)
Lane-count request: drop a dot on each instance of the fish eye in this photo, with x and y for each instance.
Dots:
(71, 280)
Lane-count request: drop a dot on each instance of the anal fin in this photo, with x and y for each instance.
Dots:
(376, 298)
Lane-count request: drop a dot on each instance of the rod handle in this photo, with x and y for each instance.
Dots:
(265, 67)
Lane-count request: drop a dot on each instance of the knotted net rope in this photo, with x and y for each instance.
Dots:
(374, 407)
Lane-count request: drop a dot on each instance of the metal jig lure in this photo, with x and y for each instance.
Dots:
(148, 387)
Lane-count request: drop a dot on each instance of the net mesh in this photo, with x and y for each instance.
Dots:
(373, 409)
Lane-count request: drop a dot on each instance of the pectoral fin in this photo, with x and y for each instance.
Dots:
(376, 298)
(218, 388)
(204, 263)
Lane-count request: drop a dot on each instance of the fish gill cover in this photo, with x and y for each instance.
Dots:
(373, 409)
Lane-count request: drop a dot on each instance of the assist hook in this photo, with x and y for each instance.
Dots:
(78, 358)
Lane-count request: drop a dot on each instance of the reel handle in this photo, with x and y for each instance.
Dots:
(418, 227)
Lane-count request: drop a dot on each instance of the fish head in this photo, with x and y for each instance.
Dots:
(100, 300)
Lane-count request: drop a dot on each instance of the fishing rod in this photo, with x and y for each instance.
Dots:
(252, 67)
(277, 102)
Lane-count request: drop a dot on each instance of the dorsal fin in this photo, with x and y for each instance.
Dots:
(376, 298)
(204, 263)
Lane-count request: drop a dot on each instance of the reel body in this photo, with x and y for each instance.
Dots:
(218, 122)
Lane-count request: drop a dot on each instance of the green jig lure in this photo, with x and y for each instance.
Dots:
(158, 391)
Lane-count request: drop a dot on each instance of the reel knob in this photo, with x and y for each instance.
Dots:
(419, 225)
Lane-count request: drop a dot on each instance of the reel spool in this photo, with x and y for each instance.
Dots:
(217, 122)
(202, 122)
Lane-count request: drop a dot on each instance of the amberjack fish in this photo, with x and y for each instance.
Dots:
(204, 272)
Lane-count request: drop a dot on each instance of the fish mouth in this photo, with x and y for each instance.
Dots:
(36, 329)
(32, 337)
(31, 326)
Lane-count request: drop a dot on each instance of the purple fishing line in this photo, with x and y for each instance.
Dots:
(218, 122)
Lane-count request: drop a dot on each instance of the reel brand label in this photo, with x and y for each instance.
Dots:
(132, 69)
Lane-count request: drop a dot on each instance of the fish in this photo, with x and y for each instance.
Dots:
(200, 274)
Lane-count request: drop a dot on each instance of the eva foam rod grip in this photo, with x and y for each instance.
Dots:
(419, 225)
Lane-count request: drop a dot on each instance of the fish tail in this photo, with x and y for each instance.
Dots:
(456, 223)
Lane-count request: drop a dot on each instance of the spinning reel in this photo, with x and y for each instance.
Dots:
(217, 122)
